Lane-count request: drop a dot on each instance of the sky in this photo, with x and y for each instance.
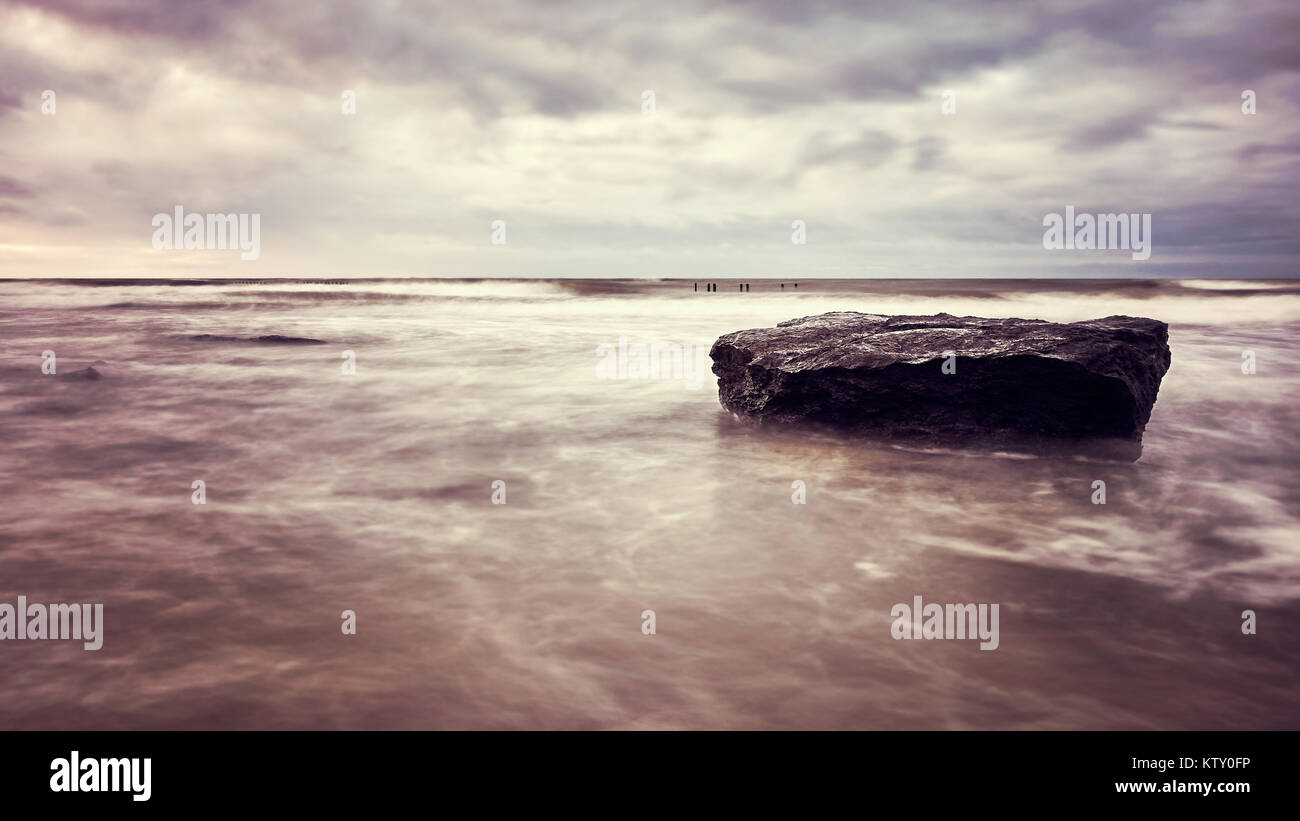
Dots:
(535, 114)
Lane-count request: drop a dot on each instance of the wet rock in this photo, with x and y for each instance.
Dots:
(951, 381)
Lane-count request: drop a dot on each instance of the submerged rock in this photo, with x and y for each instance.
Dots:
(951, 381)
(276, 339)
(84, 373)
(270, 339)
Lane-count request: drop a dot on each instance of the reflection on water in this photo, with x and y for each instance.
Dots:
(372, 492)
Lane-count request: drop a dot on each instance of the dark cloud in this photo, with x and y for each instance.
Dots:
(285, 43)
(868, 149)
(10, 187)
(1254, 151)
(905, 47)
(1228, 228)
(1192, 125)
(1112, 130)
(178, 19)
(928, 152)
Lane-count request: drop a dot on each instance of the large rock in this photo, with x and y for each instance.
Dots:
(1018, 382)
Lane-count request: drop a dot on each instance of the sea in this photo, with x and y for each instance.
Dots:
(518, 504)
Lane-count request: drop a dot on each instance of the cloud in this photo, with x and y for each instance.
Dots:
(10, 187)
(868, 149)
(928, 152)
(767, 111)
(1254, 151)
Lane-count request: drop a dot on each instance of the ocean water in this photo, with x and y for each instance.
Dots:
(373, 492)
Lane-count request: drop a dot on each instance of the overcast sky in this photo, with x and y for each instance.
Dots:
(825, 111)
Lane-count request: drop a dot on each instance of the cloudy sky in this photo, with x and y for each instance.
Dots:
(826, 111)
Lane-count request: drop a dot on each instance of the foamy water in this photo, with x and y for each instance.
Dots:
(372, 492)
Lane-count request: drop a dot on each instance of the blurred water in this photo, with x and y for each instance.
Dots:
(372, 492)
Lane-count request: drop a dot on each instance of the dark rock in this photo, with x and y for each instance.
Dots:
(84, 373)
(1017, 382)
(270, 339)
(276, 339)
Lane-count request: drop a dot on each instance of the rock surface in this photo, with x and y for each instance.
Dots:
(1016, 381)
